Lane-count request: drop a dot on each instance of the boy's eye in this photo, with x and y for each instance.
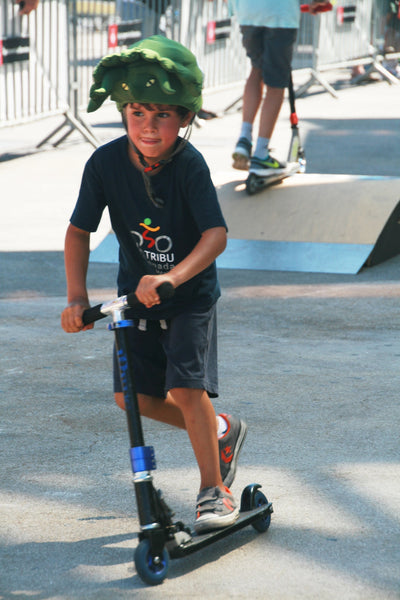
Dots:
(163, 115)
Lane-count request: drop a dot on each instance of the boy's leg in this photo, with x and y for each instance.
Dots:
(270, 110)
(165, 411)
(252, 95)
(201, 425)
(216, 506)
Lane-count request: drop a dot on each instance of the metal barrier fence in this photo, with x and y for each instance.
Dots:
(353, 34)
(47, 59)
(213, 35)
(33, 61)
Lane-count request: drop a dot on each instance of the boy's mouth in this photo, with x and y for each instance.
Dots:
(149, 141)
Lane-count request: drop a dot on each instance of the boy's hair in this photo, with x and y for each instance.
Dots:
(155, 70)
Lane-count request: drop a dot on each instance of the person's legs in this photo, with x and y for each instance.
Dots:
(189, 342)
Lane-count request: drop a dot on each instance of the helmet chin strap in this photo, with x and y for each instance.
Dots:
(157, 202)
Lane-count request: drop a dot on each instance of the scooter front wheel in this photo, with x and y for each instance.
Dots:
(151, 569)
(264, 522)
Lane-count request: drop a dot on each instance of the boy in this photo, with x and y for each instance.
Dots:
(165, 214)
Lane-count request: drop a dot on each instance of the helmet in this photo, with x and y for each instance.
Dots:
(155, 70)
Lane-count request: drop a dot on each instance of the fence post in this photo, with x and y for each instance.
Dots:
(72, 119)
(315, 75)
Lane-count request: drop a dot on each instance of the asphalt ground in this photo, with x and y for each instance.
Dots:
(310, 361)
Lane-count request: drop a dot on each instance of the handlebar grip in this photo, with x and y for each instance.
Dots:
(92, 314)
(165, 292)
(305, 8)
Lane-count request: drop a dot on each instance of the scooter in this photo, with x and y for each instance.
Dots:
(161, 537)
(296, 160)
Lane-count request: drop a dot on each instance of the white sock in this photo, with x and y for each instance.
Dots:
(247, 130)
(261, 150)
(222, 426)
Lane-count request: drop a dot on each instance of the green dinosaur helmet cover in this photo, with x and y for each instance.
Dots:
(155, 70)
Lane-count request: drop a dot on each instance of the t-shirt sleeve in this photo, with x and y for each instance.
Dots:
(202, 196)
(91, 200)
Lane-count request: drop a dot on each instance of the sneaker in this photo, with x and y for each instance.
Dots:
(229, 447)
(215, 509)
(266, 166)
(241, 155)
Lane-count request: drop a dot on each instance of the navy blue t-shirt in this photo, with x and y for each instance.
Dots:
(164, 235)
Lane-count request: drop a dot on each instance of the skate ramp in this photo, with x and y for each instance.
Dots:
(308, 223)
(314, 223)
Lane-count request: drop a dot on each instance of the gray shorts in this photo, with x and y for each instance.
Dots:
(184, 355)
(270, 50)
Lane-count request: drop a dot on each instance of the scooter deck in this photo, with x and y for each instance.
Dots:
(198, 541)
(255, 183)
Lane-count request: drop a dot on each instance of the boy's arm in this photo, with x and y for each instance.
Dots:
(211, 244)
(76, 256)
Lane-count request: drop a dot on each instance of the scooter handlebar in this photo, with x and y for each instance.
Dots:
(100, 311)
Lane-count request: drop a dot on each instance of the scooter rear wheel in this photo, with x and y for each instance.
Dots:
(151, 569)
(253, 184)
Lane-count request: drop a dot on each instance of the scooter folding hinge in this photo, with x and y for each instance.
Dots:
(143, 459)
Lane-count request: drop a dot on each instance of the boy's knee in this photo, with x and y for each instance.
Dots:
(184, 397)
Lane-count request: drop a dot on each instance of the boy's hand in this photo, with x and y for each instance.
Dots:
(146, 291)
(71, 317)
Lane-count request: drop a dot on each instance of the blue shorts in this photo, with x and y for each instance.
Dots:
(270, 50)
(182, 356)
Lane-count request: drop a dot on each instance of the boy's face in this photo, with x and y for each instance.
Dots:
(153, 129)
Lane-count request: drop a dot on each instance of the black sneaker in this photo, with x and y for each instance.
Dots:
(241, 155)
(229, 447)
(215, 509)
(266, 166)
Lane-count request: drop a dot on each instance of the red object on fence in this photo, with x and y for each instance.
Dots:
(211, 27)
(306, 7)
(113, 36)
(1, 52)
(340, 15)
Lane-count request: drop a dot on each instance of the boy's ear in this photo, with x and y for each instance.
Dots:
(188, 119)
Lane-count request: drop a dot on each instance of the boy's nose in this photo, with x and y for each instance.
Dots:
(150, 121)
